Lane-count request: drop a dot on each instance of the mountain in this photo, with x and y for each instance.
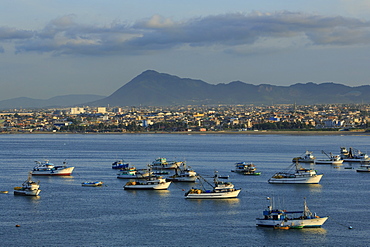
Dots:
(58, 101)
(152, 88)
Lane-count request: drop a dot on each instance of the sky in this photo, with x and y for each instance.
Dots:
(60, 47)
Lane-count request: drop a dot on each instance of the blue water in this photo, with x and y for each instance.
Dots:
(67, 214)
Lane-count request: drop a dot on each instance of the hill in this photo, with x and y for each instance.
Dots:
(58, 101)
(152, 88)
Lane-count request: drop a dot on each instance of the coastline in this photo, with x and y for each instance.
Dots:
(265, 132)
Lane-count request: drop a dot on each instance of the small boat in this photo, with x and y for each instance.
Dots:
(49, 169)
(282, 226)
(332, 159)
(220, 190)
(295, 174)
(4, 192)
(353, 155)
(307, 157)
(119, 164)
(246, 168)
(92, 184)
(183, 173)
(151, 183)
(277, 218)
(363, 168)
(162, 163)
(28, 188)
(133, 173)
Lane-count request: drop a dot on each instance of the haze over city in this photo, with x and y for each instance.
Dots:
(51, 48)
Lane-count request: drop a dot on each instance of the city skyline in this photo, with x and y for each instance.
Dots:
(51, 48)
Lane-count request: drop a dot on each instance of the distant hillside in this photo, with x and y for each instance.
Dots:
(58, 101)
(158, 89)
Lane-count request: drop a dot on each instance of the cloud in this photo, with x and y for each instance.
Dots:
(65, 36)
(7, 33)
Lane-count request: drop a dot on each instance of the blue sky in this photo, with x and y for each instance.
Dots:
(50, 48)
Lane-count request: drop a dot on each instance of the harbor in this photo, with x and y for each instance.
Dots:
(70, 214)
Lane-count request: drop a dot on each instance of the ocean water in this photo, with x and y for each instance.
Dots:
(67, 214)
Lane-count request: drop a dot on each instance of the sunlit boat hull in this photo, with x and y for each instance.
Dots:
(57, 172)
(295, 223)
(145, 186)
(297, 180)
(214, 195)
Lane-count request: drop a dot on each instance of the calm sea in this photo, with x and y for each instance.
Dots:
(67, 214)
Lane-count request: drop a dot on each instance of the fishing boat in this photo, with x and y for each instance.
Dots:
(363, 168)
(220, 190)
(307, 157)
(246, 168)
(296, 174)
(353, 155)
(133, 173)
(119, 164)
(28, 188)
(151, 183)
(49, 169)
(331, 160)
(183, 173)
(92, 184)
(273, 217)
(162, 163)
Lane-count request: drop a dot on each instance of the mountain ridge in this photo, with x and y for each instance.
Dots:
(151, 88)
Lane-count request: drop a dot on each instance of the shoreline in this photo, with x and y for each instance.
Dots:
(204, 133)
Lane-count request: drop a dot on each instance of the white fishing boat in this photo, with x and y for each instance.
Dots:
(92, 184)
(162, 163)
(183, 173)
(296, 174)
(353, 155)
(307, 157)
(273, 217)
(133, 173)
(220, 190)
(331, 160)
(49, 169)
(28, 188)
(151, 183)
(363, 168)
(245, 168)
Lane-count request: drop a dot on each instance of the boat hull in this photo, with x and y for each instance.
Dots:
(214, 195)
(182, 179)
(161, 186)
(58, 172)
(27, 192)
(363, 170)
(297, 180)
(329, 162)
(294, 223)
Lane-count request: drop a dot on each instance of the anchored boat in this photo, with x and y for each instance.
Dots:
(220, 190)
(92, 184)
(331, 160)
(183, 173)
(28, 188)
(307, 157)
(49, 169)
(283, 219)
(353, 155)
(296, 174)
(246, 168)
(162, 163)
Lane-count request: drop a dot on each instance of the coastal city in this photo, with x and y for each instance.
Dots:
(236, 118)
